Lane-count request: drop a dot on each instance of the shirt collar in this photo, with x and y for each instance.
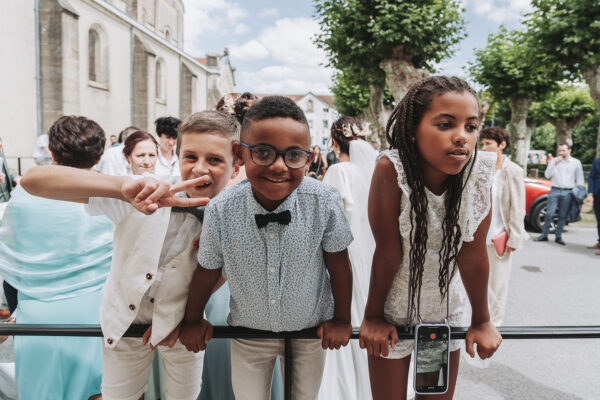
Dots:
(254, 207)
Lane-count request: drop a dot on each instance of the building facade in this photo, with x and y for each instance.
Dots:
(118, 62)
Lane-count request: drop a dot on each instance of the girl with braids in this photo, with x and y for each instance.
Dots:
(429, 212)
(346, 371)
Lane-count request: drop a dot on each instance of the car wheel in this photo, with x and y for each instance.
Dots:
(539, 216)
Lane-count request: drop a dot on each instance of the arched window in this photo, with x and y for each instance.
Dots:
(160, 80)
(97, 57)
(309, 106)
(94, 56)
(167, 33)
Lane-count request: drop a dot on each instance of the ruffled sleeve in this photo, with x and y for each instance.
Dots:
(394, 157)
(476, 199)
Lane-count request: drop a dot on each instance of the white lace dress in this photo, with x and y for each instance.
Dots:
(474, 208)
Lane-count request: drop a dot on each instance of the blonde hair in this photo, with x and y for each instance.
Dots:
(210, 122)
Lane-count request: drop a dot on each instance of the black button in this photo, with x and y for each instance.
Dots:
(109, 341)
(131, 307)
(148, 276)
(152, 300)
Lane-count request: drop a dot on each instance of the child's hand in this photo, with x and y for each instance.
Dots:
(486, 336)
(168, 341)
(376, 335)
(334, 333)
(149, 194)
(195, 335)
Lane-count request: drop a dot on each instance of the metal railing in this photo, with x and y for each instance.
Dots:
(229, 332)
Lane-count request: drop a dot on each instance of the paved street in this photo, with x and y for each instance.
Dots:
(550, 285)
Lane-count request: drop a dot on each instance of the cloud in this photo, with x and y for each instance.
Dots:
(499, 11)
(251, 50)
(296, 63)
(268, 13)
(241, 29)
(204, 17)
(285, 79)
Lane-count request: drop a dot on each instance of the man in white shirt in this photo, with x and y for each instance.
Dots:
(42, 155)
(167, 163)
(564, 173)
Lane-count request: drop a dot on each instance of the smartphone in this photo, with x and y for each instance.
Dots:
(432, 352)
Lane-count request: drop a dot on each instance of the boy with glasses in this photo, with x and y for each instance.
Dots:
(281, 241)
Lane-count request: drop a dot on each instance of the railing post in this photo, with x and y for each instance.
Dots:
(287, 369)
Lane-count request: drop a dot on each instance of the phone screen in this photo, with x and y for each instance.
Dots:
(431, 358)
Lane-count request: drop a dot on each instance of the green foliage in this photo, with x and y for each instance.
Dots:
(498, 114)
(585, 137)
(544, 138)
(351, 94)
(570, 103)
(360, 34)
(507, 67)
(566, 32)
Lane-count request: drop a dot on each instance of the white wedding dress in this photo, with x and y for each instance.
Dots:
(346, 374)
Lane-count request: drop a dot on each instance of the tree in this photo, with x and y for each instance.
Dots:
(567, 32)
(565, 110)
(506, 67)
(387, 42)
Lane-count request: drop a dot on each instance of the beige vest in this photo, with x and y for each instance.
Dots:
(138, 243)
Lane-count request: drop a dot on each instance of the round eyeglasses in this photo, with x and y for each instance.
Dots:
(265, 155)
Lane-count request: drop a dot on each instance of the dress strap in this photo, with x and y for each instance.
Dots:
(394, 157)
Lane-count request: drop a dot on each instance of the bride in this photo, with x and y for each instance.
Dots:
(346, 373)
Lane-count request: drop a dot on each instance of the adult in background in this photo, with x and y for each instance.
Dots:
(41, 154)
(346, 373)
(594, 198)
(318, 165)
(168, 163)
(564, 173)
(113, 161)
(141, 152)
(58, 258)
(508, 213)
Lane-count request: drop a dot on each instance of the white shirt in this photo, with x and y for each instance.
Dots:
(39, 153)
(496, 225)
(566, 174)
(113, 162)
(164, 168)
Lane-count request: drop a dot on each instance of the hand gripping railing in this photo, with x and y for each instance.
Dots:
(231, 332)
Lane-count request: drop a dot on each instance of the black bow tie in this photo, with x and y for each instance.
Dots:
(283, 217)
(198, 212)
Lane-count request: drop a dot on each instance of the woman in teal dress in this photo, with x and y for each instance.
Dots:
(58, 257)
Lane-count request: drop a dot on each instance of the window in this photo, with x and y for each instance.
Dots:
(167, 33)
(97, 58)
(309, 106)
(160, 80)
(325, 124)
(93, 55)
(325, 110)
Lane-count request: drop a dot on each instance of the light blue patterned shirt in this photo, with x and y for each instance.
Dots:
(276, 274)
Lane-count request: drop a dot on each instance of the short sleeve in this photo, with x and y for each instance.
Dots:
(337, 235)
(116, 210)
(394, 157)
(210, 253)
(476, 198)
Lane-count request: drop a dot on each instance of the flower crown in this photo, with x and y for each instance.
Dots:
(353, 130)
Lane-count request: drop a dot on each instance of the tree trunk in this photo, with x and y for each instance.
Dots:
(400, 74)
(519, 108)
(564, 130)
(375, 114)
(484, 107)
(592, 78)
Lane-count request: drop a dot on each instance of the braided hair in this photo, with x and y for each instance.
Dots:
(401, 131)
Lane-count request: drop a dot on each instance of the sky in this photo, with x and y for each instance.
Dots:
(270, 41)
